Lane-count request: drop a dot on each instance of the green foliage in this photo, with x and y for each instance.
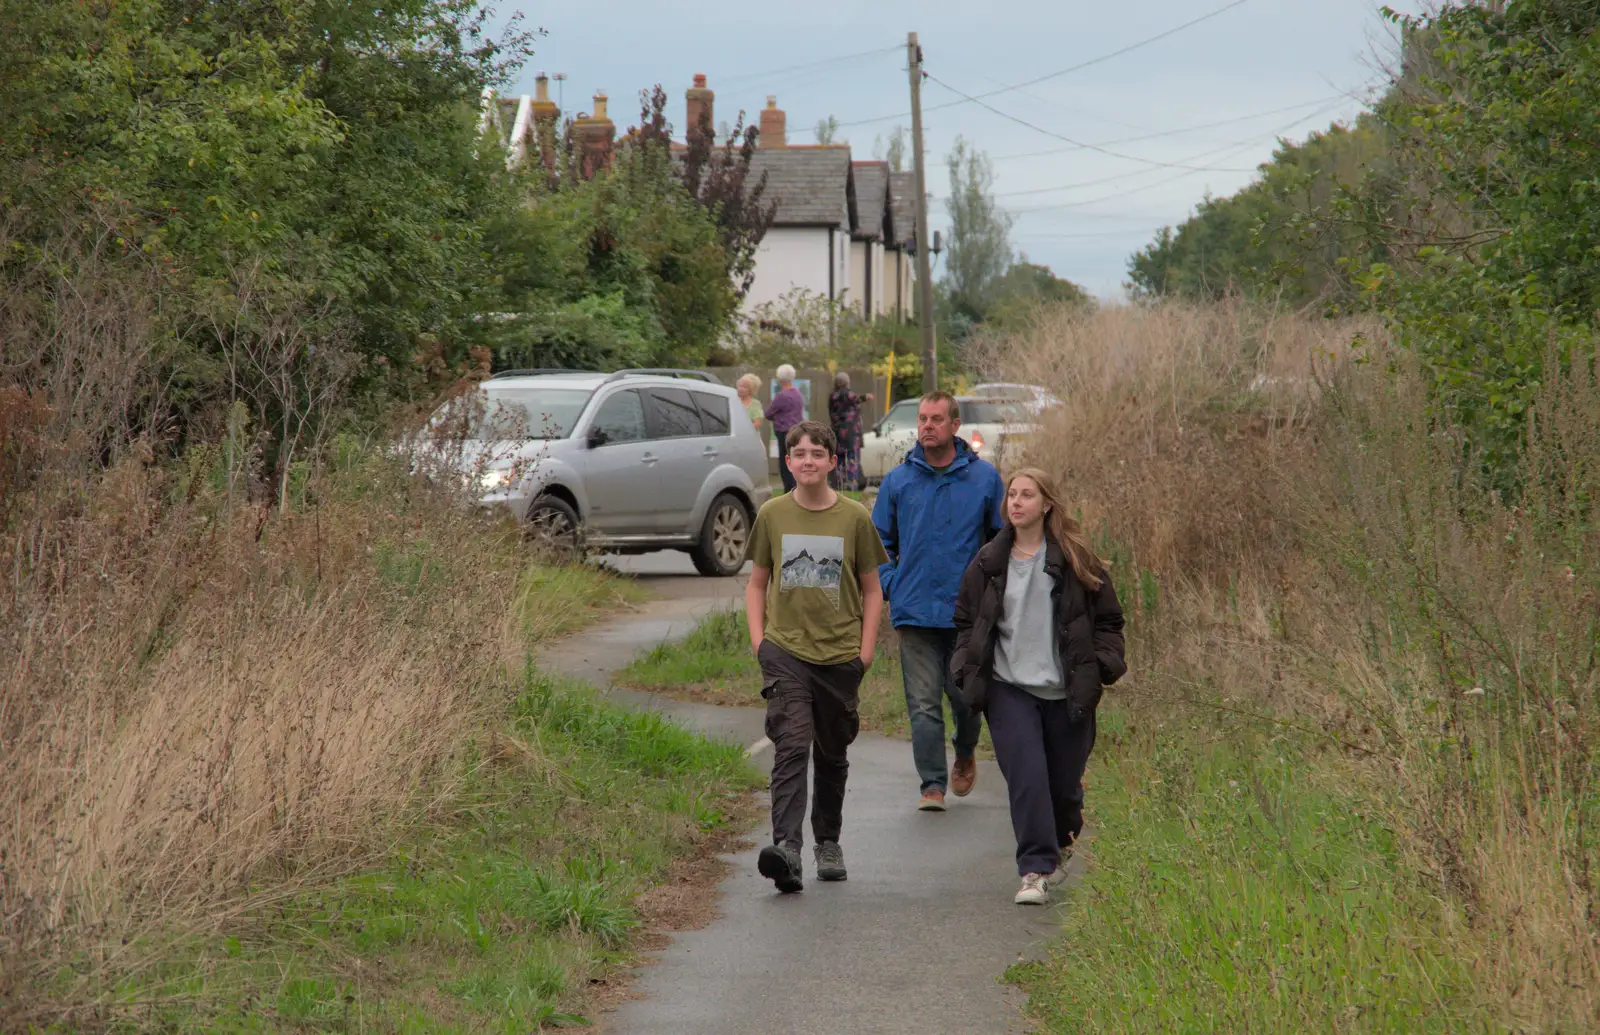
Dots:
(1265, 239)
(283, 139)
(1026, 288)
(1498, 254)
(1463, 208)
(626, 268)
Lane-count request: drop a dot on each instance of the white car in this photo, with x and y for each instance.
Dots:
(987, 424)
(1035, 397)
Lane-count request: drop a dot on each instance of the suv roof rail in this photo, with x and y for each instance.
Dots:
(540, 370)
(700, 375)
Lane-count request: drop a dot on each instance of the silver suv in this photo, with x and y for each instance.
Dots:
(629, 462)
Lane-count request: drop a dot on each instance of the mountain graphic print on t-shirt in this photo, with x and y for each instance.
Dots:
(813, 562)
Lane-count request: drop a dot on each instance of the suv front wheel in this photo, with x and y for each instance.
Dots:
(724, 538)
(553, 526)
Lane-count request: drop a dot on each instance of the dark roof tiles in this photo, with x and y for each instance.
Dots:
(902, 207)
(872, 199)
(810, 184)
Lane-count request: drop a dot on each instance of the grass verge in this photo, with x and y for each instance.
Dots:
(504, 912)
(713, 664)
(1237, 884)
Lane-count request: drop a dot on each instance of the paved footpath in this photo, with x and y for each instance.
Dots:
(915, 941)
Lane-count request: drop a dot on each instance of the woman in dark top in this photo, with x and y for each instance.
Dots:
(844, 413)
(1038, 637)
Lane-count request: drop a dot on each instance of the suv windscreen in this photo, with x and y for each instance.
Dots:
(503, 413)
(975, 412)
(901, 417)
(673, 413)
(620, 419)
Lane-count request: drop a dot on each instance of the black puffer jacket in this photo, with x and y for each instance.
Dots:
(1088, 627)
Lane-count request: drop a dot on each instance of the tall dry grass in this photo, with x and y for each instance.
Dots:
(1307, 544)
(219, 678)
(202, 705)
(1178, 419)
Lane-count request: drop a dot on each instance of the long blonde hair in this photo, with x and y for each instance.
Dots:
(1066, 530)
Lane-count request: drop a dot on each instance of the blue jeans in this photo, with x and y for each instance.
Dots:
(925, 665)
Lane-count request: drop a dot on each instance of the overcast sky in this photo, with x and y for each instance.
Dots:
(1221, 92)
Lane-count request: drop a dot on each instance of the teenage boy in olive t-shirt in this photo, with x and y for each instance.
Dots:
(813, 628)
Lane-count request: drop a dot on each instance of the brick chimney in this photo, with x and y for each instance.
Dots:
(773, 124)
(544, 109)
(595, 134)
(700, 108)
(546, 119)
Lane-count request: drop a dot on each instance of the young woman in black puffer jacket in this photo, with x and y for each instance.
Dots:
(1038, 637)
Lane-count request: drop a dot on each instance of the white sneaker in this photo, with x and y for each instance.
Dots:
(1035, 890)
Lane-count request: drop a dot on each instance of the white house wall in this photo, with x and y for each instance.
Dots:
(882, 283)
(860, 263)
(797, 258)
(899, 294)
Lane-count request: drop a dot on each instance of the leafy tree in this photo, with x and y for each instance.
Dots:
(330, 146)
(632, 266)
(1493, 224)
(892, 149)
(1026, 288)
(979, 250)
(305, 176)
(719, 179)
(1462, 208)
(827, 129)
(1271, 237)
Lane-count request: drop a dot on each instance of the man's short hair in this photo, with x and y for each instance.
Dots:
(937, 396)
(819, 434)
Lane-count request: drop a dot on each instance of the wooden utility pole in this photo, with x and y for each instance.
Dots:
(930, 356)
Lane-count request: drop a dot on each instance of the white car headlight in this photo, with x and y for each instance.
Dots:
(493, 480)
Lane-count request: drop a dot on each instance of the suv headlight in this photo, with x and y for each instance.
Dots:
(495, 480)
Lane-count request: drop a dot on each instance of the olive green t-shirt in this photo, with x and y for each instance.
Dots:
(816, 557)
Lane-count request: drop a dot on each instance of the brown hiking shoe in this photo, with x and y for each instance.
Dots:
(932, 800)
(963, 776)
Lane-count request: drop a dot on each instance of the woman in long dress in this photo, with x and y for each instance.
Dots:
(844, 413)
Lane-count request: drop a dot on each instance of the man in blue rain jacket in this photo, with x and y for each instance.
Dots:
(934, 512)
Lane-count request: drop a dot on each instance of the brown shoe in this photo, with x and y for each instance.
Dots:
(932, 800)
(963, 776)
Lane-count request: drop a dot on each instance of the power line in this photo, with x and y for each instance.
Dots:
(774, 73)
(1228, 149)
(1065, 71)
(1175, 132)
(1076, 143)
(1142, 228)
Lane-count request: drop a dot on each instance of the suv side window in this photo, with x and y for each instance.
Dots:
(672, 413)
(620, 419)
(713, 412)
